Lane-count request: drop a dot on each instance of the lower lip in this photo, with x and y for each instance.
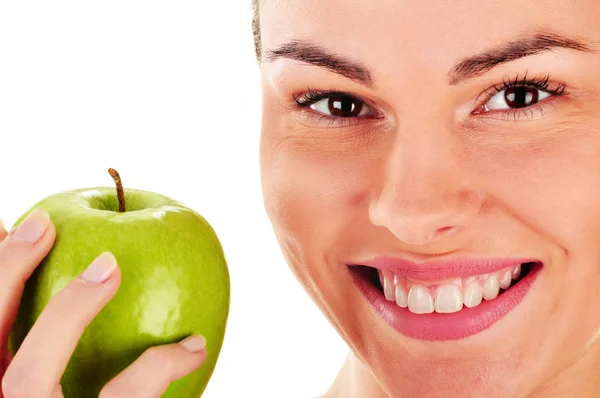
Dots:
(454, 326)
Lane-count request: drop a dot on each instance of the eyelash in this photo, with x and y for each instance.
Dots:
(311, 97)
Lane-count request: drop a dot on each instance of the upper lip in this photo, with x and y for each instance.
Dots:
(444, 269)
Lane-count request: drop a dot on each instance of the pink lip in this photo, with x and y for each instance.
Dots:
(444, 269)
(454, 326)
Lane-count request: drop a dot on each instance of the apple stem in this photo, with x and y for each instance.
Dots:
(120, 195)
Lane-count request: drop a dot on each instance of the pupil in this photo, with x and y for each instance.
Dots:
(344, 107)
(520, 97)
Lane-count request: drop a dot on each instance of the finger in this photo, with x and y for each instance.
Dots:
(6, 355)
(2, 231)
(20, 253)
(38, 365)
(58, 392)
(152, 373)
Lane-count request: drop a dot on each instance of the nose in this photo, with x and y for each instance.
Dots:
(423, 194)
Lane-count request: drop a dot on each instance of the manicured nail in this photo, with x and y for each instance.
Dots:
(193, 343)
(32, 228)
(100, 269)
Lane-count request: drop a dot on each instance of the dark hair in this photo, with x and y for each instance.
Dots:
(256, 29)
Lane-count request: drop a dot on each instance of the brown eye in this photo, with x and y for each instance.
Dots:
(516, 97)
(341, 106)
(520, 97)
(344, 106)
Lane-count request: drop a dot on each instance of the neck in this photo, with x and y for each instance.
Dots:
(579, 380)
(355, 380)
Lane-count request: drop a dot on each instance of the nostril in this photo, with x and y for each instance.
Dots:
(413, 229)
(441, 232)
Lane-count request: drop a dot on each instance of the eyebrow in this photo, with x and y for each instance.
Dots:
(541, 42)
(467, 68)
(314, 54)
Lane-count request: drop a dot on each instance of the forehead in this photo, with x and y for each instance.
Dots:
(405, 33)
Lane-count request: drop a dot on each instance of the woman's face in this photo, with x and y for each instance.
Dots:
(462, 139)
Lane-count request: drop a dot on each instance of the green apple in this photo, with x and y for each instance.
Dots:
(175, 282)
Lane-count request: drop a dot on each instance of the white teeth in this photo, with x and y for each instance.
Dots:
(505, 280)
(448, 299)
(401, 297)
(516, 272)
(473, 294)
(420, 300)
(491, 288)
(388, 287)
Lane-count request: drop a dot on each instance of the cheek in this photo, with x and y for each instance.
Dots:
(310, 192)
(312, 197)
(553, 187)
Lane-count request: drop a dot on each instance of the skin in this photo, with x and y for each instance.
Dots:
(30, 373)
(428, 179)
(425, 180)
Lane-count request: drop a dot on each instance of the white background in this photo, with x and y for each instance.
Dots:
(168, 93)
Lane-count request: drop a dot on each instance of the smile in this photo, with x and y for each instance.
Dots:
(420, 303)
(450, 296)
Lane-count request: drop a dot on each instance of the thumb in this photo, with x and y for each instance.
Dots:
(3, 231)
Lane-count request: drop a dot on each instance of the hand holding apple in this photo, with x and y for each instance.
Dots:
(173, 282)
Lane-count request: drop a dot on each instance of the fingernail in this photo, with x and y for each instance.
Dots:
(193, 343)
(1, 225)
(100, 269)
(32, 228)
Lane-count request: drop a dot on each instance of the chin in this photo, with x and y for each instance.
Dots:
(498, 348)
